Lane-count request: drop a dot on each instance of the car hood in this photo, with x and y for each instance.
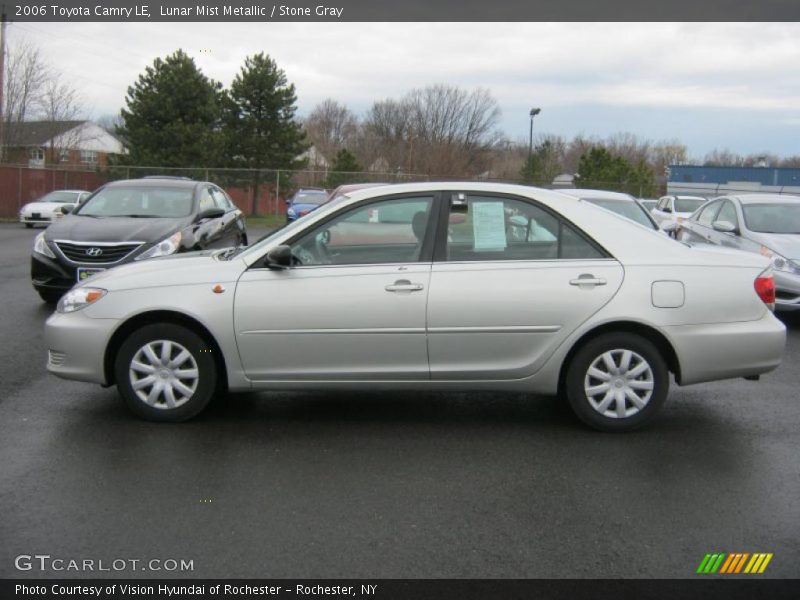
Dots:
(785, 244)
(188, 268)
(45, 206)
(113, 229)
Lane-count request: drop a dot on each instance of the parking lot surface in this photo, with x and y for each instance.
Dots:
(387, 485)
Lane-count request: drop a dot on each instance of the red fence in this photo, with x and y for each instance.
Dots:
(20, 185)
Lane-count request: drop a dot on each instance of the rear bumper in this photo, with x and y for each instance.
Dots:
(76, 346)
(708, 352)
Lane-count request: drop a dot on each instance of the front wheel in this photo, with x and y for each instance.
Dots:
(29, 225)
(165, 372)
(617, 382)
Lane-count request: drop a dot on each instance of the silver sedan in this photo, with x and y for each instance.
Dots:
(766, 224)
(444, 286)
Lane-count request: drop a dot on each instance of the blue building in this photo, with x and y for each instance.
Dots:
(716, 181)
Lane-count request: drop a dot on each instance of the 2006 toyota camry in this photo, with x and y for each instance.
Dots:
(446, 286)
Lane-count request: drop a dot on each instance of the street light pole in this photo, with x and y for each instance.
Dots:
(533, 113)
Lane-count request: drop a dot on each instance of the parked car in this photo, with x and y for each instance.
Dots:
(129, 221)
(623, 204)
(50, 207)
(766, 224)
(304, 201)
(674, 209)
(349, 188)
(602, 310)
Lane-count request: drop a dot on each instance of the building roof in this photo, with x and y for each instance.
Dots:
(38, 133)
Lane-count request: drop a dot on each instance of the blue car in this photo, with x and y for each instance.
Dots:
(303, 202)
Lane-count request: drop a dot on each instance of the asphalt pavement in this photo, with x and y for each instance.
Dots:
(481, 485)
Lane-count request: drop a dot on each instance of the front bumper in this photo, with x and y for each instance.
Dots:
(47, 274)
(712, 351)
(76, 346)
(787, 291)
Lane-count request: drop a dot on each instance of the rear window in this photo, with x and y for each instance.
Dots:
(629, 210)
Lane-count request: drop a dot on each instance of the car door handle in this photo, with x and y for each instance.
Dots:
(404, 285)
(588, 279)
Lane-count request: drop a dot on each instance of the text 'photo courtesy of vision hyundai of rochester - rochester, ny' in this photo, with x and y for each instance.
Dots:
(436, 286)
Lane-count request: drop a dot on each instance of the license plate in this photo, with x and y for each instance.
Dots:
(84, 274)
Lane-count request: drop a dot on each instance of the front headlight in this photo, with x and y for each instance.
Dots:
(40, 246)
(779, 263)
(164, 247)
(291, 212)
(78, 298)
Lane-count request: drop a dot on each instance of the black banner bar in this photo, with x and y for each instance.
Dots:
(404, 10)
(711, 588)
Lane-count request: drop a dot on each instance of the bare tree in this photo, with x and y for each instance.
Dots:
(25, 79)
(330, 127)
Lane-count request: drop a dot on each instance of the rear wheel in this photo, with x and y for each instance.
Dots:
(617, 382)
(165, 372)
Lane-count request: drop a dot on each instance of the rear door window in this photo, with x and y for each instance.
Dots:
(488, 228)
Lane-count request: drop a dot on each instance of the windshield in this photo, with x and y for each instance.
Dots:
(60, 197)
(143, 201)
(627, 209)
(688, 205)
(772, 218)
(310, 198)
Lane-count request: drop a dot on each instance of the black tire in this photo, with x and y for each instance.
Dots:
(578, 380)
(201, 354)
(50, 296)
(29, 225)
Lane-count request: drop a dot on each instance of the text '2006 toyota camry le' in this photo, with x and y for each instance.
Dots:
(445, 286)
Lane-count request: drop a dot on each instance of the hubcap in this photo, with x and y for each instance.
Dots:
(618, 383)
(163, 374)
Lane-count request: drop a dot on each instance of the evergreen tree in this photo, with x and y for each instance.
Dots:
(261, 129)
(172, 116)
(345, 169)
(601, 170)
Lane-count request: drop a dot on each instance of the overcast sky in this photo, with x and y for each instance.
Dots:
(708, 85)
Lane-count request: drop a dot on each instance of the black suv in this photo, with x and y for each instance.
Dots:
(132, 220)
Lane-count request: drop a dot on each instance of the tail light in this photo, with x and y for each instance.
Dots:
(765, 288)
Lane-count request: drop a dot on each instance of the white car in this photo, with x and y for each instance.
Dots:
(420, 286)
(671, 211)
(49, 207)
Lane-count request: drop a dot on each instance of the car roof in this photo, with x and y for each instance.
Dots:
(766, 198)
(70, 191)
(685, 197)
(156, 182)
(596, 194)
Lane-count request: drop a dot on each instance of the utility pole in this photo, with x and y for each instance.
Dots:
(533, 113)
(2, 79)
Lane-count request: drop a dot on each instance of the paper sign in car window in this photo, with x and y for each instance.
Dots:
(488, 226)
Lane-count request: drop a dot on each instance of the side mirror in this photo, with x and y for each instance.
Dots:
(66, 209)
(669, 226)
(724, 226)
(210, 213)
(288, 201)
(280, 257)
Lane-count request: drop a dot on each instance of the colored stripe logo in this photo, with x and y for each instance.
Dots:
(735, 562)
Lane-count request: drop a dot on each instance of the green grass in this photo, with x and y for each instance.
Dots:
(266, 221)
